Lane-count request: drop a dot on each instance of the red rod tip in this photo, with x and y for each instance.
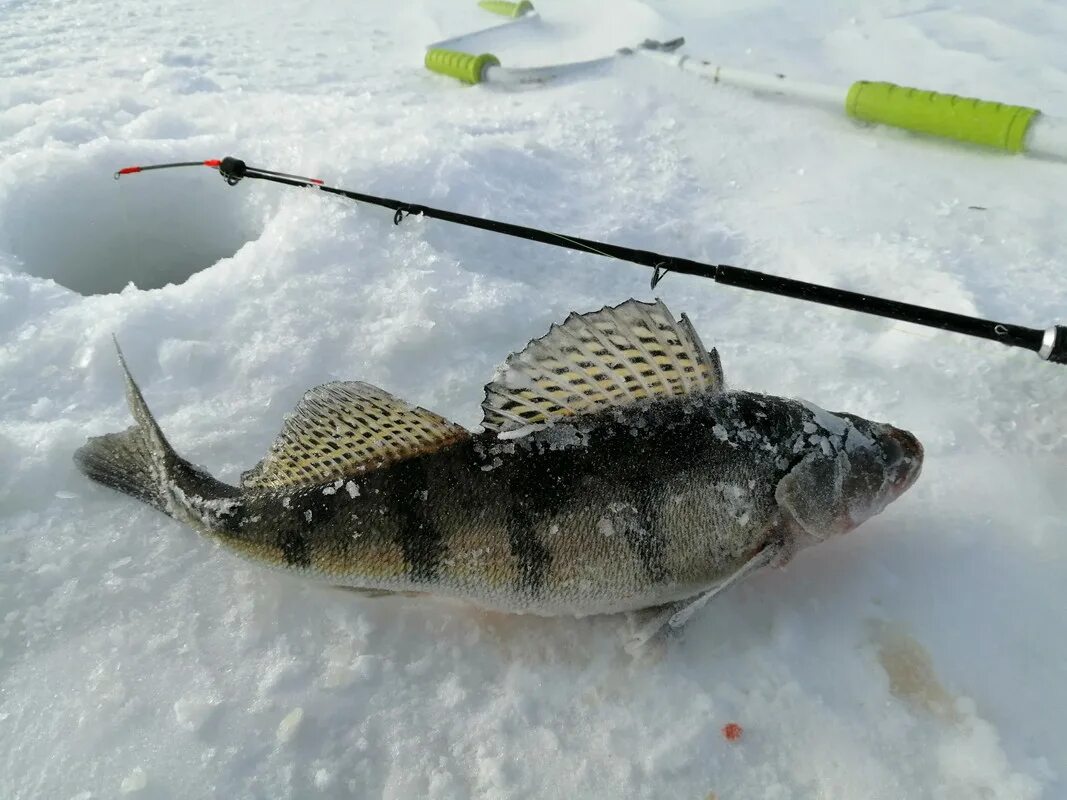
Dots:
(213, 162)
(128, 170)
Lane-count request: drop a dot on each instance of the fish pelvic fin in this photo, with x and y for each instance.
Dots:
(140, 461)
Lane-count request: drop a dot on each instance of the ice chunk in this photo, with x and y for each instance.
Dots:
(135, 781)
(287, 727)
(823, 418)
(193, 710)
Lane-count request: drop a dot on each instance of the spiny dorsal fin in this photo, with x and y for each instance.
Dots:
(343, 430)
(612, 357)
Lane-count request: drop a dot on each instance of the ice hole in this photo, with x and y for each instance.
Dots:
(95, 235)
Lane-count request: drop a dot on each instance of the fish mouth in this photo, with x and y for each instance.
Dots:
(908, 462)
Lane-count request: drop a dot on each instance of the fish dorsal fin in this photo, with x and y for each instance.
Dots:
(341, 430)
(609, 358)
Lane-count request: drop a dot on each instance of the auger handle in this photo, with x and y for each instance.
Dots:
(506, 8)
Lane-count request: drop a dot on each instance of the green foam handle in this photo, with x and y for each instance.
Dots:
(464, 66)
(507, 9)
(966, 119)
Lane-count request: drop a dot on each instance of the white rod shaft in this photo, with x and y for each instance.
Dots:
(1047, 137)
(832, 97)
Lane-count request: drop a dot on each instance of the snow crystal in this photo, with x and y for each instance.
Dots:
(322, 778)
(605, 527)
(135, 781)
(825, 420)
(562, 436)
(287, 728)
(193, 710)
(856, 440)
(522, 431)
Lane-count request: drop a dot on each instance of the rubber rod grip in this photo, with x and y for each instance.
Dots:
(462, 66)
(965, 119)
(507, 9)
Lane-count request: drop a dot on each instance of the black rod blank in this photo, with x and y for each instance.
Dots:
(1049, 344)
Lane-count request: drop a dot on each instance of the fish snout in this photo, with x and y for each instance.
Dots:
(906, 460)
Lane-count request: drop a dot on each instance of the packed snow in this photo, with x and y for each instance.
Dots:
(921, 656)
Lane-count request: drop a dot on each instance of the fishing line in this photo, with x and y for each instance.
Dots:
(1049, 344)
(132, 247)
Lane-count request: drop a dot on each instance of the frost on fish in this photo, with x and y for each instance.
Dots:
(614, 471)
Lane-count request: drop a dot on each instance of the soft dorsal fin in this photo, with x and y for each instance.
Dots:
(343, 430)
(612, 357)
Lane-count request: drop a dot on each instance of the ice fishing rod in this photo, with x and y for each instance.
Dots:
(1002, 126)
(1050, 344)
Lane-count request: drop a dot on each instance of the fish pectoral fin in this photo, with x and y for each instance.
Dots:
(673, 616)
(614, 357)
(768, 555)
(344, 430)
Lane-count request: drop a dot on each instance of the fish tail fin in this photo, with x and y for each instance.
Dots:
(122, 462)
(138, 461)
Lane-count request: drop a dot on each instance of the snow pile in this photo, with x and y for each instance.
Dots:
(921, 656)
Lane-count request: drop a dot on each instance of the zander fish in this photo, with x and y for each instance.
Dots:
(615, 472)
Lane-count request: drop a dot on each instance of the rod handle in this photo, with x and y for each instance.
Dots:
(507, 9)
(966, 119)
(462, 66)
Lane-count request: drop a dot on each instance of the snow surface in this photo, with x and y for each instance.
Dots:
(922, 656)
